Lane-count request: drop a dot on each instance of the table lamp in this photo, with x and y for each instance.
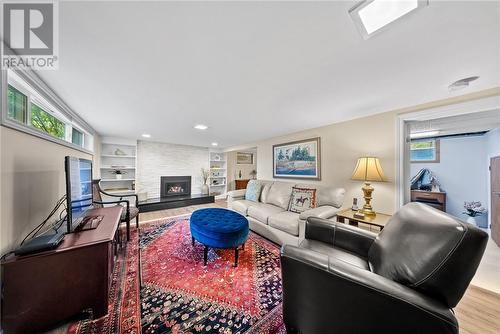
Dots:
(368, 169)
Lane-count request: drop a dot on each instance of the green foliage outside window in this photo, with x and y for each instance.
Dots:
(17, 105)
(44, 121)
(415, 145)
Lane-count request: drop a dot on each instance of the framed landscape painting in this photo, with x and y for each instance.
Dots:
(298, 160)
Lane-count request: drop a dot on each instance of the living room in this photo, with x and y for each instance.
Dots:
(250, 167)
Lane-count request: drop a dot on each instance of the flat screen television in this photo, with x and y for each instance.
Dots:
(78, 191)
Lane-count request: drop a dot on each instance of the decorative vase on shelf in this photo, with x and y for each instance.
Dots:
(204, 189)
(118, 176)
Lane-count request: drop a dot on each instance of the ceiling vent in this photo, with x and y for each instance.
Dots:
(462, 83)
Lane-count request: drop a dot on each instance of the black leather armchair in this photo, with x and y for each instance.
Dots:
(407, 279)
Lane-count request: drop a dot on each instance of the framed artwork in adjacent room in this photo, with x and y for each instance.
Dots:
(244, 158)
(298, 159)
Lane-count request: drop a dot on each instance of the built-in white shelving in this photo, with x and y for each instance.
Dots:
(218, 174)
(118, 154)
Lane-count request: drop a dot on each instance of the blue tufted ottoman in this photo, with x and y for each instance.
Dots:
(219, 228)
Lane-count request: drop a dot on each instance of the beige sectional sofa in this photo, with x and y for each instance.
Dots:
(270, 217)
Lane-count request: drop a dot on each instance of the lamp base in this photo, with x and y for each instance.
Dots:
(367, 209)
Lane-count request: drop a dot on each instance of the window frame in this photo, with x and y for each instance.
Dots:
(80, 131)
(437, 149)
(42, 96)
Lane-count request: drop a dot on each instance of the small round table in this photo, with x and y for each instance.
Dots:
(219, 228)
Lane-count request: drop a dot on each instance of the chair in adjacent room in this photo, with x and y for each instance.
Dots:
(407, 279)
(130, 212)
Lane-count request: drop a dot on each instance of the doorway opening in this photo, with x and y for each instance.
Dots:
(241, 167)
(449, 159)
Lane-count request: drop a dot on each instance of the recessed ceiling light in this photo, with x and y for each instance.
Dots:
(200, 127)
(424, 134)
(372, 15)
(215, 144)
(462, 83)
(146, 135)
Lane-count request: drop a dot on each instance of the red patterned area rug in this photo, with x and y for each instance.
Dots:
(181, 296)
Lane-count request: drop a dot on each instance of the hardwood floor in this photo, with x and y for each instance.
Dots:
(154, 215)
(478, 312)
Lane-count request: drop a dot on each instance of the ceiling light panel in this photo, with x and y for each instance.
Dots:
(371, 16)
(200, 127)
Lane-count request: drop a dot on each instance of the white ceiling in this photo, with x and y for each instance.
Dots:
(254, 70)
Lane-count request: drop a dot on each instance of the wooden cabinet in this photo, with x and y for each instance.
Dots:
(241, 184)
(432, 198)
(42, 289)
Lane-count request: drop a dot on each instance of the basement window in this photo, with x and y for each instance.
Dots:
(47, 123)
(425, 151)
(17, 105)
(77, 137)
(29, 111)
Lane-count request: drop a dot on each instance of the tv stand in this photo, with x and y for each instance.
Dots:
(43, 289)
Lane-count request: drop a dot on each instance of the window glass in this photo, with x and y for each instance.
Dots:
(17, 105)
(44, 121)
(424, 150)
(77, 137)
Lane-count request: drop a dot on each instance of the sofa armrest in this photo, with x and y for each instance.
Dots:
(236, 194)
(340, 235)
(325, 211)
(321, 291)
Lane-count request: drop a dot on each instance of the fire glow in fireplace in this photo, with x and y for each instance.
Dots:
(175, 186)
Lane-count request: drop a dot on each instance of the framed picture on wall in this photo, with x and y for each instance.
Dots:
(298, 160)
(243, 158)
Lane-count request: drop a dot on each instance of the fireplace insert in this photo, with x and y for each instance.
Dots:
(175, 186)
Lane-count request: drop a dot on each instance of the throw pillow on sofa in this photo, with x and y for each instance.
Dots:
(253, 191)
(302, 199)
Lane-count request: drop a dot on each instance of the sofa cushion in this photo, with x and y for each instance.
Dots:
(266, 186)
(336, 253)
(285, 221)
(262, 211)
(253, 191)
(279, 194)
(302, 199)
(242, 206)
(330, 196)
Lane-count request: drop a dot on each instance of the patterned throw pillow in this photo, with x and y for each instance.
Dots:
(253, 191)
(302, 199)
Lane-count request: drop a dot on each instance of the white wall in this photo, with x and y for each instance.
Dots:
(493, 143)
(492, 150)
(341, 145)
(32, 180)
(462, 172)
(160, 159)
